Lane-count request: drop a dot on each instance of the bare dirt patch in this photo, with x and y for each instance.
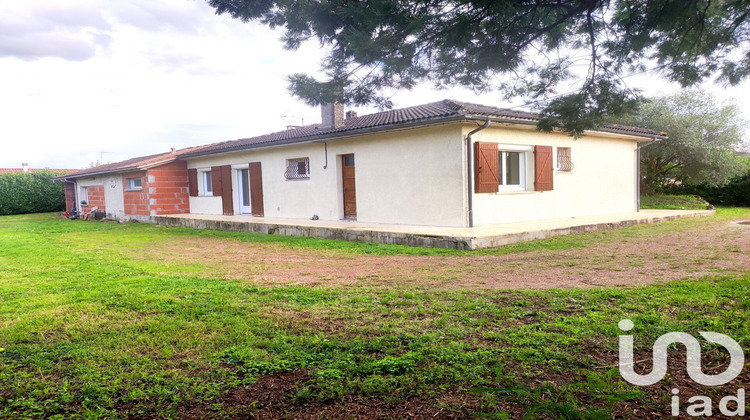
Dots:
(710, 247)
(270, 398)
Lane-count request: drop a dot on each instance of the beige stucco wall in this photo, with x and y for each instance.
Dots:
(205, 205)
(403, 177)
(602, 180)
(418, 177)
(113, 196)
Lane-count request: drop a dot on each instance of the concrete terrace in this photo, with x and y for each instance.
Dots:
(427, 236)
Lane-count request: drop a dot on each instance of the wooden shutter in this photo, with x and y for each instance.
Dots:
(256, 188)
(193, 182)
(226, 190)
(543, 168)
(486, 166)
(216, 180)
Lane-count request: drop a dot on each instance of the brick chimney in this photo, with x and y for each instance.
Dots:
(351, 114)
(331, 116)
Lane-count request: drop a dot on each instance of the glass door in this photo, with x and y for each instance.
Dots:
(243, 181)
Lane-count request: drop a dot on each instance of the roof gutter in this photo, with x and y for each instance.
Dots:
(470, 191)
(73, 176)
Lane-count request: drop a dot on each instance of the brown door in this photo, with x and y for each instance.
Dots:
(350, 191)
(256, 189)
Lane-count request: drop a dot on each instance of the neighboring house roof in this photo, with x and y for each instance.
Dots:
(134, 164)
(436, 112)
(4, 170)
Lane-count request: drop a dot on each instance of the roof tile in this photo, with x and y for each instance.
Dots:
(135, 163)
(436, 111)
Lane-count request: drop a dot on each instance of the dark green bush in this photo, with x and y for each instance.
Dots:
(735, 193)
(30, 192)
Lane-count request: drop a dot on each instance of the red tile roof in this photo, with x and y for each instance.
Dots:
(443, 111)
(133, 164)
(436, 112)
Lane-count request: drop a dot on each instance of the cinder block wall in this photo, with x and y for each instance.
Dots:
(96, 198)
(136, 201)
(70, 196)
(167, 188)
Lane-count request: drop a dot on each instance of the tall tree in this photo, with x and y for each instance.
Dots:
(531, 48)
(703, 135)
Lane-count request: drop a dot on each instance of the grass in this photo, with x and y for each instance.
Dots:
(90, 333)
(672, 202)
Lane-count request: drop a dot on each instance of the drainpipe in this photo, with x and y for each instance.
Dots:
(76, 203)
(638, 172)
(468, 169)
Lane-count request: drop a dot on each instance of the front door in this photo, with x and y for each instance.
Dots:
(243, 182)
(350, 191)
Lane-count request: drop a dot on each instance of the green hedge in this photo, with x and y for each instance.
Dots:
(735, 193)
(30, 192)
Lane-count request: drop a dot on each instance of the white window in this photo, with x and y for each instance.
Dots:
(297, 168)
(512, 164)
(564, 161)
(206, 183)
(84, 196)
(133, 184)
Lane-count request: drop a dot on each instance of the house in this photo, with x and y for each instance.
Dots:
(135, 189)
(448, 164)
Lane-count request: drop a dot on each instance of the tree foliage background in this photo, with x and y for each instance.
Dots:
(700, 150)
(570, 55)
(30, 192)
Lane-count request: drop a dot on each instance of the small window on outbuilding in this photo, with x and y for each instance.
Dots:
(564, 161)
(84, 196)
(133, 184)
(297, 168)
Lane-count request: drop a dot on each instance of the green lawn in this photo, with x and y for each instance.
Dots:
(672, 202)
(90, 332)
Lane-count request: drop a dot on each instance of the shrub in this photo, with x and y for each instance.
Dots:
(734, 193)
(30, 192)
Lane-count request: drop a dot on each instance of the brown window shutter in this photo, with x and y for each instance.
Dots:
(226, 190)
(486, 166)
(256, 188)
(543, 168)
(216, 180)
(193, 182)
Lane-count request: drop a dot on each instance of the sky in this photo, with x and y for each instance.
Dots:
(84, 81)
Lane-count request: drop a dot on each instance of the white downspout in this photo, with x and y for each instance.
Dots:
(469, 172)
